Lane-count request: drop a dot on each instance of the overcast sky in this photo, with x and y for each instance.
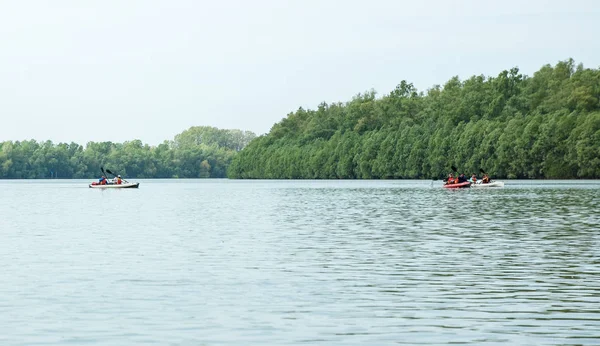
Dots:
(117, 70)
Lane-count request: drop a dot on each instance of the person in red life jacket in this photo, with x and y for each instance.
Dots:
(450, 179)
(116, 180)
(102, 181)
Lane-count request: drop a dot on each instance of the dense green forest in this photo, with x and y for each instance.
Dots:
(512, 125)
(199, 152)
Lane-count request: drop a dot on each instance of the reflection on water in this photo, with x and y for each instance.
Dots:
(261, 262)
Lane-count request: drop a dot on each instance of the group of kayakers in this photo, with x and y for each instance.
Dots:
(116, 180)
(462, 178)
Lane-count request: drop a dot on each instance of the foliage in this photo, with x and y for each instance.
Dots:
(199, 152)
(515, 126)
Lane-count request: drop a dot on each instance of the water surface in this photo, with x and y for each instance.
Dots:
(220, 262)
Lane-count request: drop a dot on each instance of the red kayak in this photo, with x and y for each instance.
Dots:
(458, 186)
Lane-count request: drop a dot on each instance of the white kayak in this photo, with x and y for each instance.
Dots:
(116, 186)
(492, 184)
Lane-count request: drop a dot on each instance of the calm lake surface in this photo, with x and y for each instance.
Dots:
(223, 262)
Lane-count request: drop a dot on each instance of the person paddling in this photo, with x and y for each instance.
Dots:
(473, 179)
(102, 181)
(485, 179)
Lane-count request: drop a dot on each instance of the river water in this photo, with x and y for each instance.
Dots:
(223, 262)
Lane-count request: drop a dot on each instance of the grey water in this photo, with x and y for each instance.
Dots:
(224, 262)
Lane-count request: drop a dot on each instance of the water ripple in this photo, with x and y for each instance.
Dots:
(314, 262)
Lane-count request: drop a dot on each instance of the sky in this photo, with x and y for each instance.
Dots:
(113, 70)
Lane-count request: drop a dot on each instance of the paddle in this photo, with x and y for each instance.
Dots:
(109, 172)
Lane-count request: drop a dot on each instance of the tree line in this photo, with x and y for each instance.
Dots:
(198, 152)
(511, 125)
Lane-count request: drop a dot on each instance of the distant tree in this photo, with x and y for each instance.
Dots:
(203, 152)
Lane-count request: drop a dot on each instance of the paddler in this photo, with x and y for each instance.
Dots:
(473, 179)
(485, 179)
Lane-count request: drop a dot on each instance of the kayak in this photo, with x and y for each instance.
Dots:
(115, 186)
(492, 184)
(457, 186)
